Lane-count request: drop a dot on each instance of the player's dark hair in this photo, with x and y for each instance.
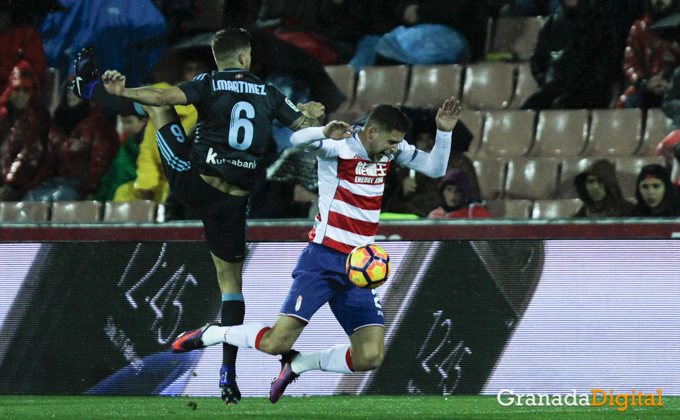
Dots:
(228, 41)
(388, 118)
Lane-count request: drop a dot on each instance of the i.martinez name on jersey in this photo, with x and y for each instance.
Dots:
(235, 114)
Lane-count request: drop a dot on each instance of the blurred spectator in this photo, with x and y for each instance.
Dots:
(414, 193)
(130, 34)
(670, 105)
(82, 145)
(19, 42)
(333, 27)
(119, 182)
(290, 189)
(573, 60)
(655, 194)
(428, 32)
(467, 17)
(599, 190)
(456, 198)
(24, 131)
(649, 58)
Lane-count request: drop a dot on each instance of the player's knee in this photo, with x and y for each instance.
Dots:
(276, 342)
(271, 345)
(369, 360)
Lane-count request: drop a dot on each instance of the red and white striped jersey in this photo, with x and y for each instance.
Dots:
(351, 186)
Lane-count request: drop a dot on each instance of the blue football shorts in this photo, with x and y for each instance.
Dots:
(320, 277)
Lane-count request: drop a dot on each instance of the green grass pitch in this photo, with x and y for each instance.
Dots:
(316, 408)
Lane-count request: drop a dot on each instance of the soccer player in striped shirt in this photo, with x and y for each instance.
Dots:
(353, 162)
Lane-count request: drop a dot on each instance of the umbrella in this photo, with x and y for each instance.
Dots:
(669, 22)
(198, 41)
(35, 7)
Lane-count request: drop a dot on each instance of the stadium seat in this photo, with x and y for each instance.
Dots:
(555, 209)
(514, 37)
(491, 177)
(614, 132)
(507, 133)
(130, 211)
(526, 85)
(24, 211)
(532, 179)
(431, 85)
(561, 133)
(344, 78)
(76, 211)
(657, 127)
(571, 167)
(509, 209)
(488, 86)
(377, 85)
(628, 168)
(474, 121)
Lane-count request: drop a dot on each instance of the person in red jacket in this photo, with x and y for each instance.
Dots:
(649, 58)
(24, 128)
(457, 200)
(82, 145)
(19, 42)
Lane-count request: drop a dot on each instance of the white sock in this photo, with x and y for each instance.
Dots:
(243, 336)
(330, 360)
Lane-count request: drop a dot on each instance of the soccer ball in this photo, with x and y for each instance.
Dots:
(368, 266)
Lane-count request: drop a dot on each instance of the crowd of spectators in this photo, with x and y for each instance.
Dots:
(76, 152)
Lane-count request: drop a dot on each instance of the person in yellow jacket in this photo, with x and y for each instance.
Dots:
(151, 183)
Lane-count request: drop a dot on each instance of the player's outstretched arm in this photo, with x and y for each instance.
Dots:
(336, 130)
(114, 83)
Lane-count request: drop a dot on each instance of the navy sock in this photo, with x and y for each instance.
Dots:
(233, 311)
(122, 105)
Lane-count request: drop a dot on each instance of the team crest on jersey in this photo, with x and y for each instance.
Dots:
(239, 76)
(290, 104)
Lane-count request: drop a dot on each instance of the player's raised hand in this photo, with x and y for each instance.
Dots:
(447, 116)
(312, 109)
(114, 82)
(338, 130)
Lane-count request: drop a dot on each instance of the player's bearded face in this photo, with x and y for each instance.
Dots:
(383, 143)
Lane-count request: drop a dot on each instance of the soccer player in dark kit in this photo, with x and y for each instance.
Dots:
(214, 174)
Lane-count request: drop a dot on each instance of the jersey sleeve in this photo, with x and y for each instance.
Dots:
(197, 89)
(432, 164)
(285, 110)
(312, 140)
